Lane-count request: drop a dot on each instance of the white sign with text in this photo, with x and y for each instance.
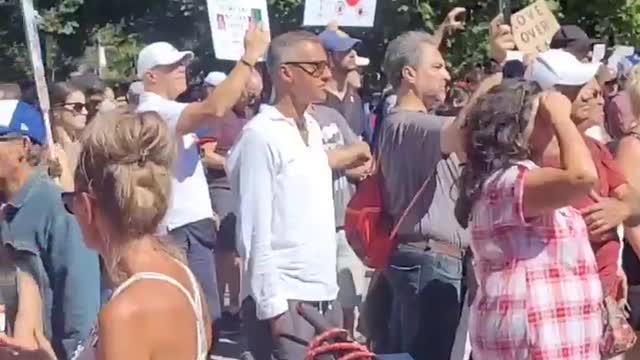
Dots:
(358, 13)
(230, 20)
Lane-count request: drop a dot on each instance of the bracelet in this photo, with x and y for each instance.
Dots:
(245, 62)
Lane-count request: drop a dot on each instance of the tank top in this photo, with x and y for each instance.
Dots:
(87, 350)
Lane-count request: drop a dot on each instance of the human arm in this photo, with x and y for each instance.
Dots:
(500, 40)
(29, 318)
(548, 188)
(452, 22)
(453, 134)
(348, 157)
(75, 280)
(210, 158)
(252, 172)
(225, 95)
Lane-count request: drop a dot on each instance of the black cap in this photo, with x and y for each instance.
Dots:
(574, 40)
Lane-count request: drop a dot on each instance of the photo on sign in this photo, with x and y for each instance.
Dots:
(222, 25)
(229, 21)
(256, 16)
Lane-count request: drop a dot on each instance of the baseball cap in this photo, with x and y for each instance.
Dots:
(19, 119)
(362, 61)
(558, 67)
(337, 40)
(160, 53)
(573, 39)
(215, 78)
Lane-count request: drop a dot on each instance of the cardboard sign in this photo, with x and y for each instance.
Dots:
(358, 13)
(33, 41)
(533, 27)
(229, 20)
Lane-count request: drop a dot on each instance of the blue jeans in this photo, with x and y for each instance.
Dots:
(427, 300)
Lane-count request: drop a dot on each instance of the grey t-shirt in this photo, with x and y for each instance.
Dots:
(336, 133)
(410, 152)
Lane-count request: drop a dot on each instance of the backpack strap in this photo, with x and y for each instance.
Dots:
(412, 203)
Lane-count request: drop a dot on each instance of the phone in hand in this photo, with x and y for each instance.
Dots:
(505, 10)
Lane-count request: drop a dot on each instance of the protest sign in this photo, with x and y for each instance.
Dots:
(37, 65)
(599, 52)
(533, 27)
(360, 13)
(229, 20)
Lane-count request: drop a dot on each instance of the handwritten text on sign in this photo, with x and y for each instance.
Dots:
(533, 27)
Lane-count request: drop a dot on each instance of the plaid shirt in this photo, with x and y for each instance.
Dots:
(539, 295)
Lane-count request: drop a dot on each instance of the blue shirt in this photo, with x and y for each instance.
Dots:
(49, 246)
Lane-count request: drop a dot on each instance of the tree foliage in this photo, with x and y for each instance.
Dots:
(70, 29)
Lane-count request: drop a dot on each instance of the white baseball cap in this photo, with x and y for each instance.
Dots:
(160, 53)
(558, 67)
(362, 61)
(215, 78)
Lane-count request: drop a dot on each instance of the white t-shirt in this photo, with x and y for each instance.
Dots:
(190, 201)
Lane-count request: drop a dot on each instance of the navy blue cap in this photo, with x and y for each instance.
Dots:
(21, 119)
(337, 40)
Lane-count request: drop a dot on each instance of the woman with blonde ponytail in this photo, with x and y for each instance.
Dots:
(122, 192)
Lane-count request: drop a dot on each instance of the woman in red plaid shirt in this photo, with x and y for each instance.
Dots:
(539, 293)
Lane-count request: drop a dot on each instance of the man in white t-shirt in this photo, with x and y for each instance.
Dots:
(189, 221)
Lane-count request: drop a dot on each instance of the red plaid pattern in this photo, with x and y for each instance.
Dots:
(539, 294)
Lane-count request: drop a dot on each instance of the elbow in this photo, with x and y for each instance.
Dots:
(584, 181)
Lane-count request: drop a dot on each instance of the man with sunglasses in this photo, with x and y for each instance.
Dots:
(46, 239)
(281, 181)
(189, 221)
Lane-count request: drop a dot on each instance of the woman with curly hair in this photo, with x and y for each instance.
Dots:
(539, 293)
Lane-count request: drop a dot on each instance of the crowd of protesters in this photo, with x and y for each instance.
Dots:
(163, 220)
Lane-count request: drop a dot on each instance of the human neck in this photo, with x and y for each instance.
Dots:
(63, 136)
(164, 93)
(141, 255)
(409, 101)
(338, 84)
(290, 108)
(17, 181)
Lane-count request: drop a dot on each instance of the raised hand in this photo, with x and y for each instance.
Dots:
(256, 42)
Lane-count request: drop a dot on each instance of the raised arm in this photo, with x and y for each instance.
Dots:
(548, 188)
(225, 95)
(451, 23)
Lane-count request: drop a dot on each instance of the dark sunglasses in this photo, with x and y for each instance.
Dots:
(68, 198)
(317, 67)
(77, 107)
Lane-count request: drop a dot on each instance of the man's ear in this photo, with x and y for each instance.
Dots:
(409, 74)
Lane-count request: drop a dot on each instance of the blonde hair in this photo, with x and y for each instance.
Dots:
(126, 162)
(633, 89)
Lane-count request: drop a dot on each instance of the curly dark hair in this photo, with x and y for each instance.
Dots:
(494, 138)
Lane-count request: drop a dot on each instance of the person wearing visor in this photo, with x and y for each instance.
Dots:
(46, 239)
(575, 41)
(612, 201)
(190, 219)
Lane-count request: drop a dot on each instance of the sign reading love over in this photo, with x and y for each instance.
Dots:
(533, 27)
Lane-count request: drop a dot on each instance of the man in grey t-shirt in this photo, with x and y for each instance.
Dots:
(337, 136)
(425, 271)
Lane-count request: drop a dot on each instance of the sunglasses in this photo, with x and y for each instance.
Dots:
(313, 68)
(76, 106)
(69, 197)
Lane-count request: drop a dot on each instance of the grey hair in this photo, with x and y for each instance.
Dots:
(281, 48)
(405, 50)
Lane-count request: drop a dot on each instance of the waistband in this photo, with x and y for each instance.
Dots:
(438, 247)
